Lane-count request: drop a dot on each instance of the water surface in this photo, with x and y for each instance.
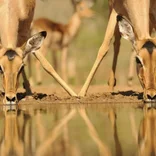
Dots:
(77, 130)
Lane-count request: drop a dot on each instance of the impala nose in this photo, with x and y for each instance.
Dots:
(10, 99)
(150, 95)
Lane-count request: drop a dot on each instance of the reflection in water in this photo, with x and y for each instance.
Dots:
(103, 149)
(16, 134)
(47, 143)
(112, 117)
(147, 133)
(77, 131)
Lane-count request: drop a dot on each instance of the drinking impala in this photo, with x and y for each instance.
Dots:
(133, 19)
(16, 17)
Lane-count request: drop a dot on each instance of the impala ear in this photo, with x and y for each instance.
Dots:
(34, 43)
(126, 29)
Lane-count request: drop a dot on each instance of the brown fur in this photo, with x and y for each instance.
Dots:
(16, 16)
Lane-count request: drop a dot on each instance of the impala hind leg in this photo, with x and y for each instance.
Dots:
(39, 77)
(38, 73)
(112, 79)
(54, 60)
(131, 68)
(30, 70)
(102, 51)
(64, 64)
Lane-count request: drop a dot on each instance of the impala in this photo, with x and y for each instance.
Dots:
(132, 58)
(61, 35)
(133, 21)
(16, 17)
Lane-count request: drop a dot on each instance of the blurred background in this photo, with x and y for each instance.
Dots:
(84, 48)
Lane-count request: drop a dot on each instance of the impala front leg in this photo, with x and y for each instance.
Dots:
(47, 66)
(102, 51)
(131, 68)
(112, 79)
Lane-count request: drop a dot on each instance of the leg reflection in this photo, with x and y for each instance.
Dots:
(103, 149)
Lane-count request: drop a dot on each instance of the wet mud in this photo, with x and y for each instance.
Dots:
(96, 94)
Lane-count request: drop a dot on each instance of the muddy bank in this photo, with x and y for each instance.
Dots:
(96, 94)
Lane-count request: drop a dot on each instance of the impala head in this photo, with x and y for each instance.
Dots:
(145, 59)
(12, 63)
(83, 7)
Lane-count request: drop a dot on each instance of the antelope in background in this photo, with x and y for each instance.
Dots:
(17, 16)
(60, 36)
(133, 21)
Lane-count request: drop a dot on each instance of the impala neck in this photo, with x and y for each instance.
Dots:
(9, 24)
(13, 13)
(138, 13)
(74, 24)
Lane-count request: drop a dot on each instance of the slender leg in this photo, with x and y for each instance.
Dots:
(103, 148)
(54, 60)
(39, 79)
(55, 133)
(112, 116)
(112, 80)
(64, 64)
(47, 66)
(30, 70)
(102, 51)
(38, 73)
(131, 68)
